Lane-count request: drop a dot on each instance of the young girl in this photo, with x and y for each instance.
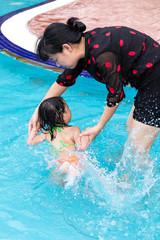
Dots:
(54, 116)
(115, 56)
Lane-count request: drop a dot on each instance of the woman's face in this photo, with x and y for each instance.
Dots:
(67, 114)
(68, 58)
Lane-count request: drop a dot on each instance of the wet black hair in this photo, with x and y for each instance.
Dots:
(50, 114)
(57, 34)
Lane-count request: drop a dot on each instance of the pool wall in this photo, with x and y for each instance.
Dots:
(26, 53)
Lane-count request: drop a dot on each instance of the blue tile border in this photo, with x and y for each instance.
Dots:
(5, 44)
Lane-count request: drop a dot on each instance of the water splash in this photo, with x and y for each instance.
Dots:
(102, 202)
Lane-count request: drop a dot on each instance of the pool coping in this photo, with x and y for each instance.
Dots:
(22, 54)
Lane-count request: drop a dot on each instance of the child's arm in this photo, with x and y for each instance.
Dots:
(82, 142)
(35, 138)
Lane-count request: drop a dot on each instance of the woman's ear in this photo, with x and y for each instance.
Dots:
(67, 47)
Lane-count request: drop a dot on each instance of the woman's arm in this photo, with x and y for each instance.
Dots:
(55, 90)
(110, 71)
(92, 132)
(107, 114)
(66, 79)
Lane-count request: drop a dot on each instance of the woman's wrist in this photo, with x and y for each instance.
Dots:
(99, 127)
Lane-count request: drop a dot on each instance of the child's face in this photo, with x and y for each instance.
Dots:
(67, 114)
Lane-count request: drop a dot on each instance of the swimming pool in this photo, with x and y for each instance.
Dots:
(31, 206)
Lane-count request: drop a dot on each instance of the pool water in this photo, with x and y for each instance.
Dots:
(12, 5)
(115, 198)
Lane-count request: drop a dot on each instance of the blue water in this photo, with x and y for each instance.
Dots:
(11, 5)
(114, 199)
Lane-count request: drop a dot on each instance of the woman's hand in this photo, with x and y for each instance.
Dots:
(33, 123)
(91, 132)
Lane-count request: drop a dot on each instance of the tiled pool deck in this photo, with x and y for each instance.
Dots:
(20, 30)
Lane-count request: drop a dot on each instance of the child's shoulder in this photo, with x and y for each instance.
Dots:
(74, 133)
(73, 129)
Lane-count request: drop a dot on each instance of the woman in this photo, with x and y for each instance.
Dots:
(115, 56)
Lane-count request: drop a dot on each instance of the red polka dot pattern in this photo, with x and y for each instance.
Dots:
(149, 65)
(108, 65)
(121, 43)
(144, 46)
(132, 53)
(134, 71)
(69, 77)
(118, 68)
(111, 90)
(156, 45)
(132, 32)
(121, 95)
(108, 34)
(96, 46)
(93, 59)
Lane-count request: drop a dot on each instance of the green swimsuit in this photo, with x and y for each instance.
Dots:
(58, 148)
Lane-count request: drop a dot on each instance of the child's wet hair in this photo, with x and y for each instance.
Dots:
(50, 114)
(57, 34)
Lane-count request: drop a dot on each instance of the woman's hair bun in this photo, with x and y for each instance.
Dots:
(76, 25)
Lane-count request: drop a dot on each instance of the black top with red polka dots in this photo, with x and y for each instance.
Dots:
(116, 56)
